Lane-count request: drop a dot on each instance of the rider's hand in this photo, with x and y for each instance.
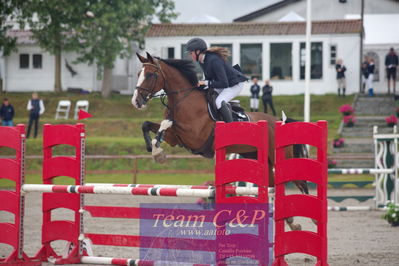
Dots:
(201, 83)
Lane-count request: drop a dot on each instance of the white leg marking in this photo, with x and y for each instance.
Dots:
(165, 124)
(155, 150)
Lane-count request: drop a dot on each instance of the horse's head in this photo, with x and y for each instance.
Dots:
(151, 80)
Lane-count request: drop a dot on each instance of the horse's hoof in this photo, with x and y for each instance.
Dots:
(160, 157)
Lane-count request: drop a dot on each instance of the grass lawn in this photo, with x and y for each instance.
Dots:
(115, 129)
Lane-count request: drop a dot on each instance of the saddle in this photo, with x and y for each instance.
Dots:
(237, 111)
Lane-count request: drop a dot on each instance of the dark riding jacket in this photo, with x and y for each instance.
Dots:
(219, 74)
(340, 74)
(7, 112)
(255, 89)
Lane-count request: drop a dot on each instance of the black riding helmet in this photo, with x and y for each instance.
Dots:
(196, 44)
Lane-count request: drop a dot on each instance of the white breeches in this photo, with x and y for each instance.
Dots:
(228, 94)
(370, 81)
(254, 103)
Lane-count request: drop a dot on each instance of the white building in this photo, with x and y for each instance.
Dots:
(381, 20)
(273, 51)
(31, 68)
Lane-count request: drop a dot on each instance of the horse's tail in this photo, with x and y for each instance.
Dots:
(300, 151)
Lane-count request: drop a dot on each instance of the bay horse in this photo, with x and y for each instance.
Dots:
(187, 122)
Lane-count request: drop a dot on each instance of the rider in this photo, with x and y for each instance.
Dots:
(219, 75)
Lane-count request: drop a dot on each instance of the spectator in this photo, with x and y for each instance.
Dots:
(391, 62)
(7, 113)
(370, 71)
(267, 91)
(255, 89)
(36, 109)
(365, 74)
(340, 68)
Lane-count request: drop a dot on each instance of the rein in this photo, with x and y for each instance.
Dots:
(163, 96)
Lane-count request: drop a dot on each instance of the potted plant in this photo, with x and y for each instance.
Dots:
(346, 109)
(392, 214)
(391, 120)
(338, 142)
(349, 120)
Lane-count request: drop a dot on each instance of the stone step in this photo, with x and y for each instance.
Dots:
(345, 163)
(384, 105)
(353, 149)
(356, 131)
(354, 145)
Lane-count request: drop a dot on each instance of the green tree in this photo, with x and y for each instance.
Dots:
(8, 11)
(110, 28)
(49, 22)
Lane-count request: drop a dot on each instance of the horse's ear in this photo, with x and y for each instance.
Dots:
(149, 57)
(141, 58)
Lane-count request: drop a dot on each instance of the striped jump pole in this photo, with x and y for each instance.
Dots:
(133, 262)
(359, 171)
(233, 189)
(137, 191)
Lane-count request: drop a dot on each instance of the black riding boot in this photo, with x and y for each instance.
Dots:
(226, 112)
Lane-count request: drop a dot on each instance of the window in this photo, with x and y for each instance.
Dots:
(281, 61)
(186, 55)
(251, 59)
(37, 61)
(171, 52)
(24, 61)
(229, 46)
(333, 54)
(316, 65)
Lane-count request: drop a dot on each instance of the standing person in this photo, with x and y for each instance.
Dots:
(370, 71)
(391, 62)
(219, 75)
(255, 89)
(267, 91)
(340, 68)
(36, 109)
(365, 74)
(7, 113)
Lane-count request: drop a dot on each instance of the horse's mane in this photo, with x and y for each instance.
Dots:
(185, 67)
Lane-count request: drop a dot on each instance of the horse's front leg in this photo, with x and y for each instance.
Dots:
(148, 127)
(163, 133)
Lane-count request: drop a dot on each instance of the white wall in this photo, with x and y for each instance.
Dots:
(331, 9)
(86, 77)
(382, 50)
(347, 48)
(29, 79)
(42, 79)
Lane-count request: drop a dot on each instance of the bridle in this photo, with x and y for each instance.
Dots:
(152, 92)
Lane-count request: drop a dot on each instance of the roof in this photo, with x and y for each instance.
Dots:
(244, 29)
(264, 11)
(23, 36)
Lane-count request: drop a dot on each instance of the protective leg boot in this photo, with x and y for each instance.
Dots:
(226, 112)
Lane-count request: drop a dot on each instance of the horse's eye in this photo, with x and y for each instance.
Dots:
(149, 75)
